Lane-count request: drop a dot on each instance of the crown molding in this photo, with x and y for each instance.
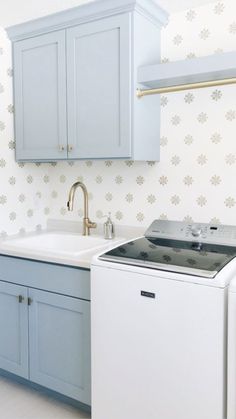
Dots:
(88, 12)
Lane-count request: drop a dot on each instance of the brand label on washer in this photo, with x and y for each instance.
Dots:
(148, 294)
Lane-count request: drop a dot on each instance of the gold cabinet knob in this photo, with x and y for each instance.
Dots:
(61, 148)
(70, 147)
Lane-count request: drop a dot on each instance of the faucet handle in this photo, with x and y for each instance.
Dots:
(91, 224)
(87, 225)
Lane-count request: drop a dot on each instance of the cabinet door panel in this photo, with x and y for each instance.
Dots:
(13, 329)
(40, 97)
(99, 89)
(60, 344)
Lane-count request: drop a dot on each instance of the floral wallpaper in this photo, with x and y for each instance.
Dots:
(194, 179)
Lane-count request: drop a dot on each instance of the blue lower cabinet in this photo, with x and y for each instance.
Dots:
(14, 329)
(45, 334)
(59, 342)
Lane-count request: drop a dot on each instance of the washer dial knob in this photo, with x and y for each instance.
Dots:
(196, 231)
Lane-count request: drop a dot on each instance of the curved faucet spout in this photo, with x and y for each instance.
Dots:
(87, 224)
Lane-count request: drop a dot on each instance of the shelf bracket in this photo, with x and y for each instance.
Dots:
(189, 86)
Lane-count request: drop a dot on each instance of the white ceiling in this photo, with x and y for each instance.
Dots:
(15, 11)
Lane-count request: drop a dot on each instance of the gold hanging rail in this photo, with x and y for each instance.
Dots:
(190, 86)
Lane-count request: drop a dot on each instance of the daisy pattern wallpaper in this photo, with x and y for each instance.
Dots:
(195, 178)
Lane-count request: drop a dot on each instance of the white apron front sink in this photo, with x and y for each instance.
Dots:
(56, 242)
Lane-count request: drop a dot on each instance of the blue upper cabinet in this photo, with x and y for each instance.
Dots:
(99, 88)
(40, 97)
(75, 78)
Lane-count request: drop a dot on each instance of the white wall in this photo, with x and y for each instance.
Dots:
(195, 178)
(13, 12)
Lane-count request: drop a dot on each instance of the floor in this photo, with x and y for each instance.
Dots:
(17, 401)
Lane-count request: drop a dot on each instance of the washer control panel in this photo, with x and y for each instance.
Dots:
(201, 232)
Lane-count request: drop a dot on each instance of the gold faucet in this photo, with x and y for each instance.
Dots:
(87, 224)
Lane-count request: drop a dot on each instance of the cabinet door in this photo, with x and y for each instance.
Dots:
(60, 344)
(40, 97)
(99, 88)
(14, 329)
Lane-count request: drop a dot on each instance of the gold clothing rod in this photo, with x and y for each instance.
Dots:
(172, 89)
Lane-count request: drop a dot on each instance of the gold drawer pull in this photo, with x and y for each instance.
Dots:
(30, 300)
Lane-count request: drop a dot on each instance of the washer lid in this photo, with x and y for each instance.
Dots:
(186, 257)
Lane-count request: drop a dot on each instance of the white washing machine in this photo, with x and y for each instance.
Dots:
(232, 351)
(159, 324)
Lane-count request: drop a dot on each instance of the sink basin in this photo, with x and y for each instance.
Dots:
(54, 242)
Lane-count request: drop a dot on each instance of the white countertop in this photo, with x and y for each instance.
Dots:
(63, 229)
